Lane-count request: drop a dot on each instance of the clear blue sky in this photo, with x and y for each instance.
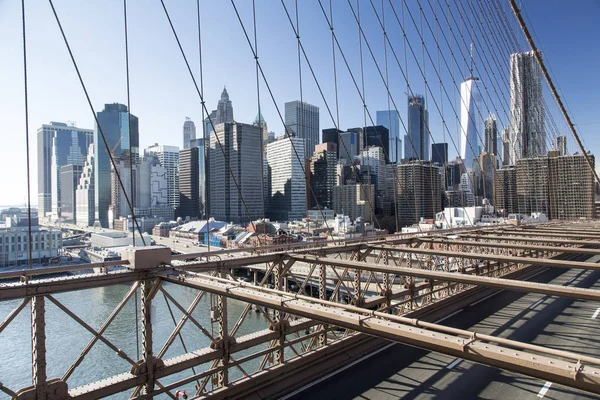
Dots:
(162, 94)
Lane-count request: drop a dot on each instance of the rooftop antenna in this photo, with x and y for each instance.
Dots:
(471, 52)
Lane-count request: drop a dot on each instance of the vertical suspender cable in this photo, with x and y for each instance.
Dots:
(260, 123)
(137, 329)
(389, 113)
(30, 236)
(89, 101)
(205, 145)
(131, 155)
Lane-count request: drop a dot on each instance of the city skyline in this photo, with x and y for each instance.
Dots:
(156, 124)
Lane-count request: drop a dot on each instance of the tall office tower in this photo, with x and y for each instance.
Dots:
(378, 136)
(506, 154)
(266, 193)
(505, 191)
(270, 137)
(373, 162)
(84, 195)
(490, 127)
(212, 117)
(260, 122)
(355, 200)
(323, 176)
(202, 186)
(561, 145)
(118, 197)
(189, 132)
(69, 178)
(224, 109)
(533, 185)
(332, 135)
(288, 186)
(470, 122)
(58, 144)
(303, 120)
(360, 134)
(562, 187)
(391, 120)
(151, 189)
(349, 146)
(439, 153)
(419, 192)
(527, 132)
(484, 177)
(416, 141)
(242, 157)
(113, 122)
(565, 174)
(189, 178)
(168, 156)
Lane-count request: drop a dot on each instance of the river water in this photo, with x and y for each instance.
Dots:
(65, 338)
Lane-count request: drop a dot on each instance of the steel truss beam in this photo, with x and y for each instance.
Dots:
(482, 243)
(468, 345)
(546, 262)
(557, 234)
(527, 239)
(500, 283)
(37, 287)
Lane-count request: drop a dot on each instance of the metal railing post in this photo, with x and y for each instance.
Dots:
(148, 357)
(38, 347)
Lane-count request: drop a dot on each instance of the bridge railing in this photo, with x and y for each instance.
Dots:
(201, 326)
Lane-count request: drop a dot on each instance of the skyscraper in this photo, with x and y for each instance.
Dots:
(355, 200)
(58, 144)
(439, 153)
(527, 133)
(168, 157)
(506, 150)
(207, 122)
(349, 146)
(303, 120)
(491, 135)
(118, 196)
(224, 109)
(469, 120)
(113, 121)
(260, 122)
(561, 145)
(69, 178)
(391, 120)
(202, 146)
(189, 132)
(189, 192)
(288, 185)
(323, 176)
(378, 136)
(419, 191)
(416, 141)
(84, 194)
(242, 157)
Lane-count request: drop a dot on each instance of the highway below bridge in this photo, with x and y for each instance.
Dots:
(399, 371)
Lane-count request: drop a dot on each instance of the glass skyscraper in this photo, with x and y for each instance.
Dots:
(58, 144)
(470, 121)
(391, 120)
(527, 131)
(189, 132)
(113, 121)
(303, 120)
(416, 141)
